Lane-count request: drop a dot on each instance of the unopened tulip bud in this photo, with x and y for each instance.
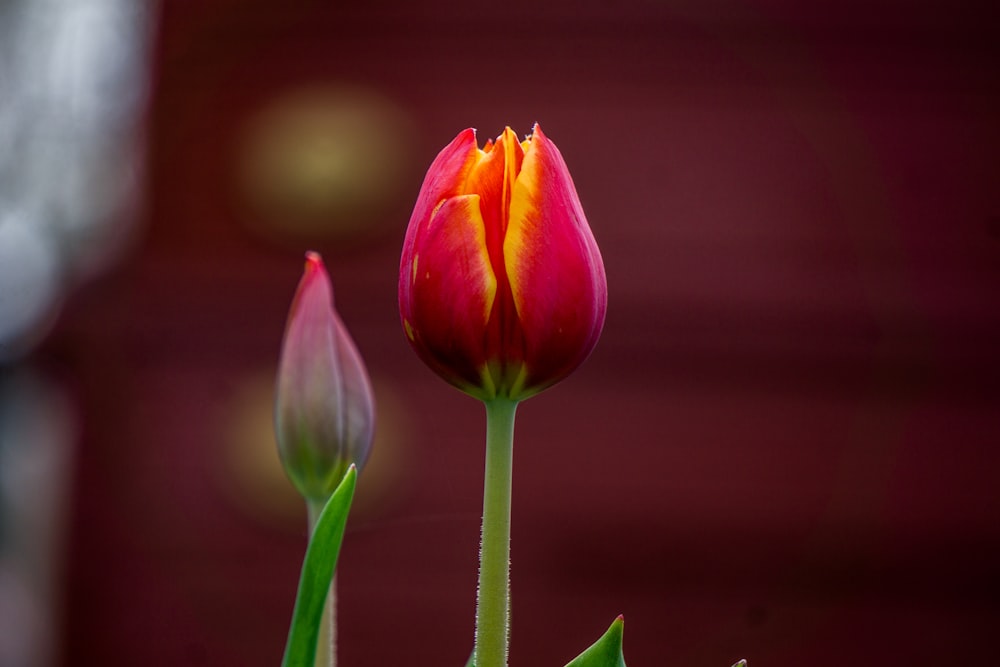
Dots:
(324, 411)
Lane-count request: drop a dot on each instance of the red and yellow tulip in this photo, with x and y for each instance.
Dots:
(502, 289)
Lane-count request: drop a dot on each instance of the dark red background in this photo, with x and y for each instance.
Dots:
(785, 446)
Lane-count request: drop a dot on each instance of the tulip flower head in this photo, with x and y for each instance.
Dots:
(502, 289)
(324, 412)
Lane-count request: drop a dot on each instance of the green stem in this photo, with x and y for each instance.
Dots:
(326, 644)
(493, 604)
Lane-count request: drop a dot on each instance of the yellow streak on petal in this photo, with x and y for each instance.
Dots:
(409, 330)
(509, 141)
(413, 273)
(491, 282)
(521, 222)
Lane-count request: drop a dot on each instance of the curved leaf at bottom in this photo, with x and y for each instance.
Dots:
(317, 573)
(606, 651)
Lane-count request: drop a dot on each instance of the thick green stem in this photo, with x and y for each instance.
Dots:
(326, 644)
(493, 604)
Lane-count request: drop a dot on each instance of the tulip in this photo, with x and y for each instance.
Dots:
(502, 292)
(324, 412)
(502, 289)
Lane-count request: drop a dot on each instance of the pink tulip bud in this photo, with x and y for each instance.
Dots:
(502, 288)
(324, 412)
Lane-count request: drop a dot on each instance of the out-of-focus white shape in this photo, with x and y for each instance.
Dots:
(22, 621)
(29, 284)
(38, 430)
(73, 82)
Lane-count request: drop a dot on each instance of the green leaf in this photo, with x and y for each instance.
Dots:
(317, 573)
(606, 651)
(741, 663)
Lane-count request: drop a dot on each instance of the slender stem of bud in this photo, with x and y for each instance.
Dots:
(493, 604)
(326, 643)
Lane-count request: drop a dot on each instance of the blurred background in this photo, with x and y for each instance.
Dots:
(784, 448)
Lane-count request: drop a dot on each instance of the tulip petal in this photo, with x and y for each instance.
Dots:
(492, 178)
(446, 175)
(554, 268)
(444, 179)
(450, 291)
(357, 400)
